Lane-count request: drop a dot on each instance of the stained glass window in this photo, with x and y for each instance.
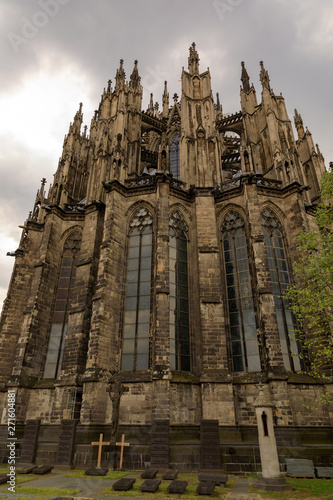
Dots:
(242, 322)
(174, 156)
(135, 352)
(64, 296)
(179, 309)
(280, 281)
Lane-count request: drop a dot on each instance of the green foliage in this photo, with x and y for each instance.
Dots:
(35, 493)
(312, 296)
(302, 488)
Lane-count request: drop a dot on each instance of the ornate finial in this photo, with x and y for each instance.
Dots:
(165, 100)
(109, 86)
(120, 76)
(193, 60)
(175, 97)
(135, 78)
(43, 181)
(299, 125)
(264, 78)
(245, 78)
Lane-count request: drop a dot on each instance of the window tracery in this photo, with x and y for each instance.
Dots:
(179, 296)
(62, 306)
(135, 349)
(280, 280)
(243, 331)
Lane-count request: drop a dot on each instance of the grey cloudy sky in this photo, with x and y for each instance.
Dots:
(56, 53)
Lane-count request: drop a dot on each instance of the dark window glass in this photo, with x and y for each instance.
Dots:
(174, 156)
(243, 332)
(135, 353)
(62, 305)
(179, 309)
(280, 280)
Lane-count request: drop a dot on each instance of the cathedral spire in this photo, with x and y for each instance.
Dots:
(76, 127)
(299, 125)
(165, 100)
(193, 61)
(245, 78)
(120, 76)
(135, 78)
(264, 78)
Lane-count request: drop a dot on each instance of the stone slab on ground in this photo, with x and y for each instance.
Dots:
(205, 488)
(272, 484)
(300, 467)
(43, 469)
(170, 474)
(124, 484)
(3, 478)
(63, 498)
(96, 471)
(324, 472)
(25, 469)
(177, 487)
(150, 485)
(149, 473)
(217, 476)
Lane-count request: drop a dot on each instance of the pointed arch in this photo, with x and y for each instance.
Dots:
(242, 321)
(136, 329)
(66, 282)
(280, 280)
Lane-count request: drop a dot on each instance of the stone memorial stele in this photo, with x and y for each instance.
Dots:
(30, 441)
(66, 442)
(271, 476)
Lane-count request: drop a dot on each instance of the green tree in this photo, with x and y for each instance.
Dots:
(312, 295)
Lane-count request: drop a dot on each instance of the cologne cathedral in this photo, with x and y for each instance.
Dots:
(148, 285)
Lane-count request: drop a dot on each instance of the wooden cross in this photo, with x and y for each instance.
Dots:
(99, 444)
(122, 444)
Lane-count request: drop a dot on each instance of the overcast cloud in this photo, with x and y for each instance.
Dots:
(55, 54)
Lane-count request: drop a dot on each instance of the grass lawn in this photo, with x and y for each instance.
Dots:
(302, 488)
(33, 493)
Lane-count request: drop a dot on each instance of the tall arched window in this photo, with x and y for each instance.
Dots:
(174, 156)
(179, 310)
(135, 352)
(243, 332)
(62, 305)
(280, 281)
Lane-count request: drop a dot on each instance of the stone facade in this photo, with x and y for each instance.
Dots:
(189, 197)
